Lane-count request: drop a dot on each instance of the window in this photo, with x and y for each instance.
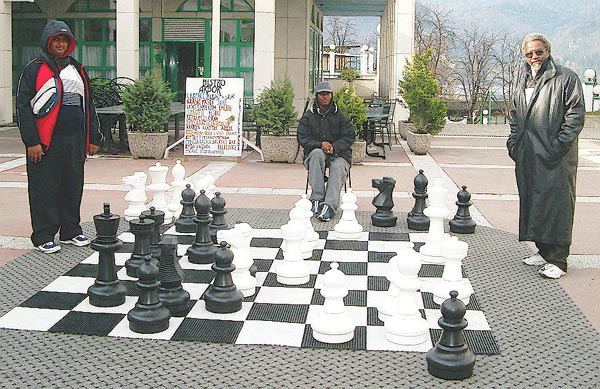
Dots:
(236, 55)
(206, 5)
(315, 50)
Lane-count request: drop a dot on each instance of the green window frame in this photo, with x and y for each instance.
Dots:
(315, 50)
(236, 56)
(206, 6)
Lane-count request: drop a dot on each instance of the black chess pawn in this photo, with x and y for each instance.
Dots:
(451, 358)
(217, 210)
(171, 293)
(222, 296)
(202, 251)
(383, 202)
(107, 290)
(159, 218)
(185, 223)
(148, 316)
(462, 223)
(416, 219)
(142, 229)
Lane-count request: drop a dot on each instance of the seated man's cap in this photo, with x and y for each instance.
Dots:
(324, 86)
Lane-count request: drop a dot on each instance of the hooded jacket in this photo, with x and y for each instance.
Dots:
(38, 130)
(334, 127)
(543, 144)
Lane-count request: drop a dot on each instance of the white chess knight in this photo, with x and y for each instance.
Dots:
(303, 213)
(206, 182)
(239, 237)
(388, 304)
(348, 227)
(406, 326)
(177, 186)
(136, 197)
(292, 270)
(454, 251)
(437, 211)
(159, 188)
(333, 324)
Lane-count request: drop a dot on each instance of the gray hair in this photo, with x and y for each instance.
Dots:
(536, 36)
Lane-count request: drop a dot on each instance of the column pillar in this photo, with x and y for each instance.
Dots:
(128, 39)
(364, 58)
(215, 36)
(332, 61)
(6, 99)
(403, 38)
(370, 60)
(264, 44)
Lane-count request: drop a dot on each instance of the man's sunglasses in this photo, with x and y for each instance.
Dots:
(537, 52)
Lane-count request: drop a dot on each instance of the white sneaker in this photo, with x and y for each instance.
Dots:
(551, 271)
(79, 241)
(49, 247)
(535, 260)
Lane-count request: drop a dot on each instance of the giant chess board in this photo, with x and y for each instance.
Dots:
(276, 314)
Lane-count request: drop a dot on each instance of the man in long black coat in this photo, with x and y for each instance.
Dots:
(547, 117)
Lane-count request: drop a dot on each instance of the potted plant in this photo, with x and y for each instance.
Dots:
(419, 90)
(274, 114)
(352, 105)
(147, 107)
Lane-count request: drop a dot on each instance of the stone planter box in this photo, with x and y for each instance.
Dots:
(148, 144)
(404, 127)
(279, 148)
(359, 149)
(418, 143)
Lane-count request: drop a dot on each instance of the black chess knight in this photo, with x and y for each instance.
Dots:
(383, 216)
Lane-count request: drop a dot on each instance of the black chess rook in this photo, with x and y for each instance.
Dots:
(383, 202)
(171, 293)
(222, 296)
(107, 290)
(185, 223)
(462, 223)
(416, 219)
(202, 251)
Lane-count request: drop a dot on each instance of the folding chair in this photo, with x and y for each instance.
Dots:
(325, 178)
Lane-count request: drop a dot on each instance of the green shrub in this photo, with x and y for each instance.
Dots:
(352, 105)
(274, 113)
(147, 104)
(419, 90)
(349, 74)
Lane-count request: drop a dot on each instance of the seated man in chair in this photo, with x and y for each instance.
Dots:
(326, 134)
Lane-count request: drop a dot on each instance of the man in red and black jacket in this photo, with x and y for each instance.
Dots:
(59, 126)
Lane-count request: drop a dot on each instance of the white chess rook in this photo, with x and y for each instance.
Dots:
(437, 212)
(454, 251)
(239, 238)
(406, 326)
(159, 187)
(292, 270)
(136, 197)
(348, 226)
(333, 324)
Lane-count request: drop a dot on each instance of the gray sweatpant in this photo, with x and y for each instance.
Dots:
(316, 163)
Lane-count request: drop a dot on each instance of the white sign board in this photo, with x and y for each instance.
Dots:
(213, 116)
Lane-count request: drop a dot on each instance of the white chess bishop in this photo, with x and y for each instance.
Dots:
(406, 326)
(333, 324)
(136, 197)
(292, 270)
(454, 251)
(348, 227)
(177, 186)
(159, 188)
(239, 237)
(437, 211)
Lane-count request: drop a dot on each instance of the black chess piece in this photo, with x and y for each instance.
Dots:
(462, 223)
(222, 296)
(202, 251)
(159, 218)
(142, 229)
(185, 223)
(416, 219)
(107, 290)
(171, 293)
(148, 316)
(383, 202)
(217, 210)
(451, 358)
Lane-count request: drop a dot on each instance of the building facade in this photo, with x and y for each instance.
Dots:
(257, 40)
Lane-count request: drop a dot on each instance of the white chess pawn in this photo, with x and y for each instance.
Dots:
(136, 197)
(292, 270)
(406, 326)
(237, 237)
(312, 237)
(177, 186)
(348, 227)
(437, 212)
(454, 251)
(333, 324)
(159, 187)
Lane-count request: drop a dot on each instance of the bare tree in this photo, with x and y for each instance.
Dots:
(341, 31)
(508, 61)
(473, 65)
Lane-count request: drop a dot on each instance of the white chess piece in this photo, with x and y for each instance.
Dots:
(299, 216)
(159, 187)
(333, 324)
(406, 326)
(348, 227)
(454, 251)
(387, 305)
(237, 237)
(177, 186)
(136, 197)
(312, 237)
(437, 212)
(292, 270)
(206, 182)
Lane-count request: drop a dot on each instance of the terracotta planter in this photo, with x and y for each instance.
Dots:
(148, 144)
(359, 149)
(279, 148)
(404, 127)
(418, 143)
